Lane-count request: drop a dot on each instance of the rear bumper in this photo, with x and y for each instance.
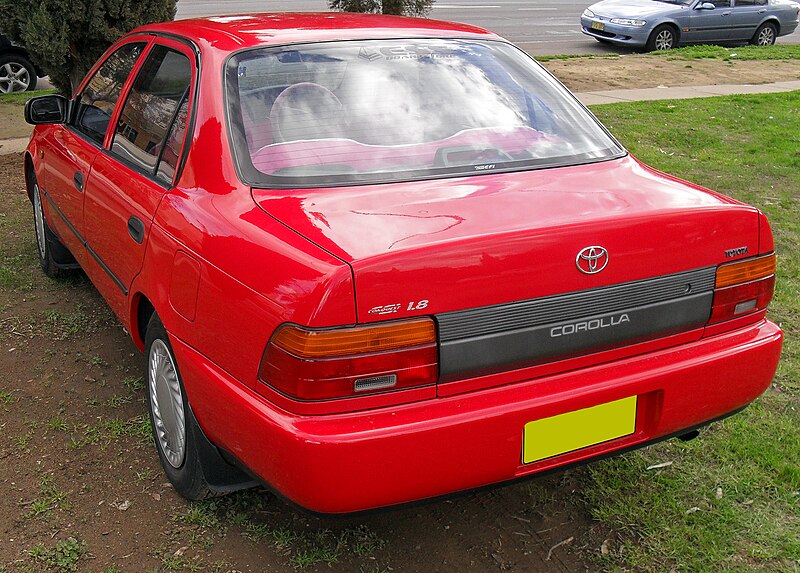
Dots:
(364, 460)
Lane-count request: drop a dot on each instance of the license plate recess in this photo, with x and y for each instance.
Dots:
(578, 429)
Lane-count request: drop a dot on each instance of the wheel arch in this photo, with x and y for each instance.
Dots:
(774, 21)
(141, 311)
(13, 50)
(675, 28)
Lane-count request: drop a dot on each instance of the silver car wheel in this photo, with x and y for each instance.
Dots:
(14, 78)
(166, 401)
(38, 220)
(766, 37)
(664, 40)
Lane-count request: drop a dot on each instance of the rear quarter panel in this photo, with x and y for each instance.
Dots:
(254, 272)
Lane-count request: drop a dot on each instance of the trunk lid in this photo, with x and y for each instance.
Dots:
(491, 239)
(495, 258)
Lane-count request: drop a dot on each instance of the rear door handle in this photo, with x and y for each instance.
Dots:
(136, 229)
(762, 11)
(77, 180)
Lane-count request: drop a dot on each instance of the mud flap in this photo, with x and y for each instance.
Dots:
(221, 476)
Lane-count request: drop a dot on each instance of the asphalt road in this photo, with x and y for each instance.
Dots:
(537, 26)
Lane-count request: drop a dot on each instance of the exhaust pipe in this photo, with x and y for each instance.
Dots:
(689, 435)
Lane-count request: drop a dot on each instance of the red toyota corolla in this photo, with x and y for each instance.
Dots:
(372, 260)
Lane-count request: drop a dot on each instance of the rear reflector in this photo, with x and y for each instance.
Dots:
(310, 364)
(743, 287)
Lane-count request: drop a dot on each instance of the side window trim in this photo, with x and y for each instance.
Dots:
(189, 50)
(170, 127)
(123, 94)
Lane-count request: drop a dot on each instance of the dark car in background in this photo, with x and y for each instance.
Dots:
(17, 72)
(664, 24)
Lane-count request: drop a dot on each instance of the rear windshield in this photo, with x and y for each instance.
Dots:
(355, 112)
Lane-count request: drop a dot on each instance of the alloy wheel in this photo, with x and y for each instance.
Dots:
(14, 77)
(664, 40)
(766, 37)
(166, 400)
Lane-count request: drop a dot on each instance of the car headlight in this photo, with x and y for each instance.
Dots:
(588, 13)
(628, 22)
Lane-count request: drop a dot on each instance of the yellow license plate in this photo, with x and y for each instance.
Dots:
(598, 26)
(575, 430)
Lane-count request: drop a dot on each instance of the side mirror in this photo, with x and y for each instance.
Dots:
(47, 109)
(705, 6)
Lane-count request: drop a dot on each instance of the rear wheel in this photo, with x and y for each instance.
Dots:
(173, 425)
(765, 35)
(664, 37)
(17, 74)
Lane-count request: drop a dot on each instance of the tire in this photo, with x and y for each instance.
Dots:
(765, 35)
(174, 427)
(664, 37)
(17, 74)
(45, 238)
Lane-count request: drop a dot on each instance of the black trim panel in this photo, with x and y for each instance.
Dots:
(503, 337)
(511, 316)
(89, 249)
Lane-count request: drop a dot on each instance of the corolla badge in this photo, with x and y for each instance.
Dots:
(592, 260)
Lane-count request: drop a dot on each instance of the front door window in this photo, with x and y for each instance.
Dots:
(99, 97)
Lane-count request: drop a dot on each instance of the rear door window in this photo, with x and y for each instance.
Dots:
(99, 97)
(156, 103)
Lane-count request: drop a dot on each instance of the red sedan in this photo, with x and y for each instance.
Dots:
(373, 260)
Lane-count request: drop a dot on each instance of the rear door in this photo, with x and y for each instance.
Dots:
(746, 16)
(72, 149)
(138, 167)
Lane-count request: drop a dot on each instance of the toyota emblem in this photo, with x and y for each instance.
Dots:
(592, 260)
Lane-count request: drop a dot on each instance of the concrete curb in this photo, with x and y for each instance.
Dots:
(683, 92)
(18, 145)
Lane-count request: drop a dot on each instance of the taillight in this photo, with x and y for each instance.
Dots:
(743, 287)
(311, 364)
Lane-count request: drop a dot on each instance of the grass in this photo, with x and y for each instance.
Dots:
(58, 423)
(19, 98)
(134, 383)
(108, 431)
(62, 558)
(63, 325)
(704, 52)
(18, 258)
(303, 546)
(730, 501)
(50, 498)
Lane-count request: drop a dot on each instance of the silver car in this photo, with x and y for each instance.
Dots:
(664, 24)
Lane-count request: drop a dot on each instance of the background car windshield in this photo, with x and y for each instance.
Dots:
(374, 111)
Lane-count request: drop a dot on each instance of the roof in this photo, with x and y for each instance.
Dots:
(235, 32)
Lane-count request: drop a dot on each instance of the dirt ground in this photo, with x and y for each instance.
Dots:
(644, 71)
(84, 490)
